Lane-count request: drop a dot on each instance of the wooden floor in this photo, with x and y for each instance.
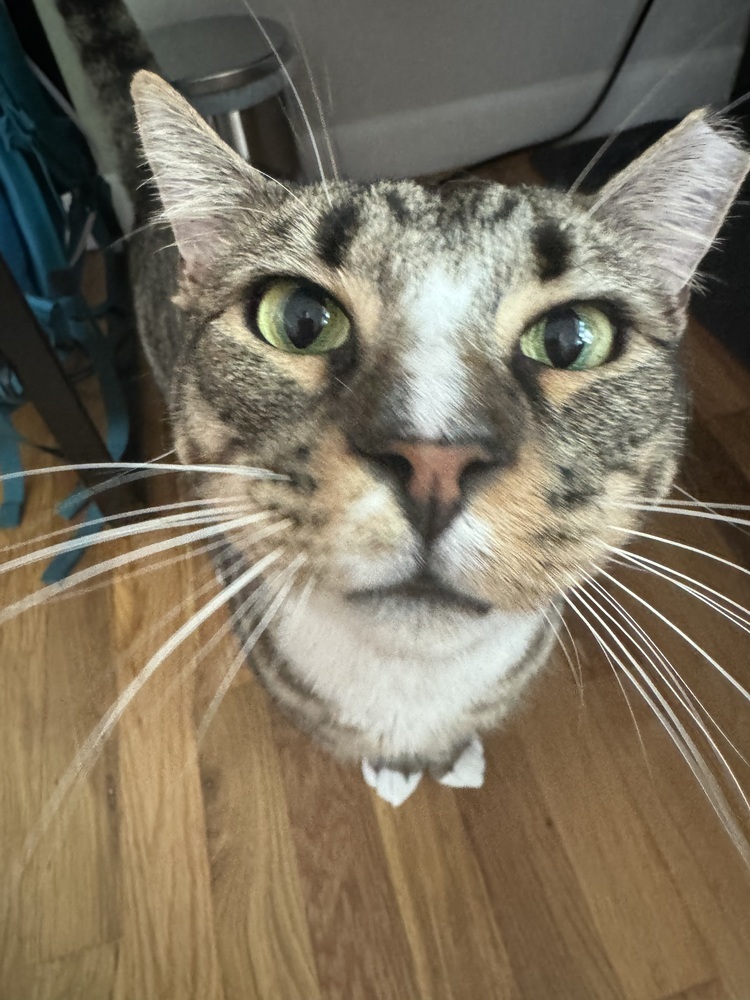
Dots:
(589, 867)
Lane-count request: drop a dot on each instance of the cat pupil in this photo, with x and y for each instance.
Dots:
(304, 318)
(564, 337)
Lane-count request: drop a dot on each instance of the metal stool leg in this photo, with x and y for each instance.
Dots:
(229, 126)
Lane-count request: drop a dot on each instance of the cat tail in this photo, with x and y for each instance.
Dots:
(112, 49)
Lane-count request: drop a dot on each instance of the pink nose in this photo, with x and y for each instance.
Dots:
(433, 477)
(436, 469)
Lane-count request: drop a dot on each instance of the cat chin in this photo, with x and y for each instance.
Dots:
(395, 625)
(424, 594)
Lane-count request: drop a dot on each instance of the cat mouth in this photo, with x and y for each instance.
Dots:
(423, 589)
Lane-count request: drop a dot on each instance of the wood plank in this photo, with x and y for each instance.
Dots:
(358, 936)
(449, 920)
(263, 938)
(74, 689)
(53, 683)
(533, 887)
(85, 975)
(640, 918)
(719, 384)
(712, 878)
(168, 943)
(705, 991)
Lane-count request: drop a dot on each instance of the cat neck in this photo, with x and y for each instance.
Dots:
(356, 657)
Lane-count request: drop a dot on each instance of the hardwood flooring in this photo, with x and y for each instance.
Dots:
(589, 867)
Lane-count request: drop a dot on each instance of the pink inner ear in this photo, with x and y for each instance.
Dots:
(201, 181)
(674, 198)
(195, 239)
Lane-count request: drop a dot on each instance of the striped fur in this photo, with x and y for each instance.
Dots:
(440, 284)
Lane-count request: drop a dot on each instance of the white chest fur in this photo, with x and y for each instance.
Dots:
(404, 678)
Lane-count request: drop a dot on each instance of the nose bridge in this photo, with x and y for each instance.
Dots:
(436, 469)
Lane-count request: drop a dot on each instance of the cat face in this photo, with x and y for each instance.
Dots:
(457, 387)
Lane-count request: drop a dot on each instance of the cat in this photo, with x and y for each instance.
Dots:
(445, 400)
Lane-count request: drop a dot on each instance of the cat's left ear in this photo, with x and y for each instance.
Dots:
(204, 186)
(671, 201)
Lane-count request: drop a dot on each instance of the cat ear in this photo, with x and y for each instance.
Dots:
(201, 181)
(672, 200)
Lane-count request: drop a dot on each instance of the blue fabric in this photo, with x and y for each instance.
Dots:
(11, 507)
(63, 564)
(50, 193)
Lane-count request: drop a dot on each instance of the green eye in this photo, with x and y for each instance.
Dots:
(573, 337)
(298, 317)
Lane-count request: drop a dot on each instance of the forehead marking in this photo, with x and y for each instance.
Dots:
(552, 248)
(335, 233)
(435, 309)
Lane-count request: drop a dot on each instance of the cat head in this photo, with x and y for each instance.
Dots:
(462, 388)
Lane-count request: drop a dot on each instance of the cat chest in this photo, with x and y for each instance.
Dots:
(407, 704)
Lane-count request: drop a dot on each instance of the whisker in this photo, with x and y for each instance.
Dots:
(662, 570)
(241, 471)
(615, 662)
(106, 518)
(166, 523)
(133, 574)
(248, 645)
(143, 639)
(577, 677)
(678, 67)
(681, 512)
(612, 665)
(677, 732)
(32, 600)
(297, 98)
(304, 596)
(221, 632)
(684, 545)
(318, 101)
(692, 502)
(86, 756)
(691, 642)
(685, 696)
(608, 656)
(694, 701)
(714, 506)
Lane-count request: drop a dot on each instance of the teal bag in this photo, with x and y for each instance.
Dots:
(53, 204)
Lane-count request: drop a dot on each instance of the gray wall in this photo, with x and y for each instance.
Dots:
(414, 87)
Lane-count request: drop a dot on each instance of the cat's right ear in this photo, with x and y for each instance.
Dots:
(201, 181)
(670, 203)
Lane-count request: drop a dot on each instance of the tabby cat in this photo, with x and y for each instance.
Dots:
(451, 395)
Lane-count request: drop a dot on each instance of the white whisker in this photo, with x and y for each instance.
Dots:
(678, 67)
(676, 731)
(691, 642)
(166, 523)
(661, 570)
(133, 574)
(245, 608)
(241, 471)
(681, 512)
(684, 545)
(297, 98)
(318, 101)
(608, 656)
(32, 600)
(248, 645)
(107, 518)
(693, 702)
(577, 676)
(84, 759)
